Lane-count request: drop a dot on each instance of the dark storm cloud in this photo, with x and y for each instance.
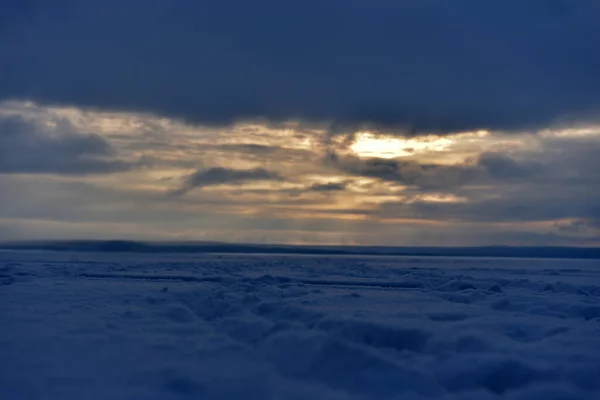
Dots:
(431, 65)
(27, 147)
(219, 176)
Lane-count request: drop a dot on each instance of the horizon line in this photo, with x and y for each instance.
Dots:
(198, 247)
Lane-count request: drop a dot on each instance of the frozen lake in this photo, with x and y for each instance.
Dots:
(210, 326)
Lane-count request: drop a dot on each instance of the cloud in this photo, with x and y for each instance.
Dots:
(487, 167)
(220, 176)
(29, 147)
(501, 166)
(428, 65)
(328, 187)
(554, 179)
(486, 189)
(516, 205)
(261, 152)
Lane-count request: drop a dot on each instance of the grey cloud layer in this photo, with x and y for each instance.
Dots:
(219, 176)
(488, 167)
(433, 65)
(328, 187)
(28, 147)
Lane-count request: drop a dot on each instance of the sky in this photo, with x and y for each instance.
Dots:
(358, 122)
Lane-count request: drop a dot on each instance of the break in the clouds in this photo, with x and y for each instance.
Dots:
(433, 65)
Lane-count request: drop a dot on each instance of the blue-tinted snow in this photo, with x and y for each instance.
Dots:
(167, 326)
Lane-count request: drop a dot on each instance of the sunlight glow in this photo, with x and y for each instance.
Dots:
(581, 132)
(369, 145)
(441, 198)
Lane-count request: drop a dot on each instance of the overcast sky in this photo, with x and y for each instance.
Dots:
(374, 122)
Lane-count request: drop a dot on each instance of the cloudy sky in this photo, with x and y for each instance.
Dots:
(417, 122)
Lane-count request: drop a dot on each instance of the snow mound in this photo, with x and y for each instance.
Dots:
(297, 327)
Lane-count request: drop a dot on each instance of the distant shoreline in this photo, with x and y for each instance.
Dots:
(121, 246)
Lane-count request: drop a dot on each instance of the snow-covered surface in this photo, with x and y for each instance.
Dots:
(143, 326)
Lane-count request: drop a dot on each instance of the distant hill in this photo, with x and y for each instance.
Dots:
(216, 247)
